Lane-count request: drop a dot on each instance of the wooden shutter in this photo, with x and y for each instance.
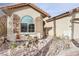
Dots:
(16, 23)
(39, 25)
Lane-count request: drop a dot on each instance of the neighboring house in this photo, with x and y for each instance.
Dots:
(65, 24)
(22, 19)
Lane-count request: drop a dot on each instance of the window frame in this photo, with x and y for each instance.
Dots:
(27, 25)
(31, 27)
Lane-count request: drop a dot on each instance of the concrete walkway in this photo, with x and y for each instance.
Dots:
(73, 51)
(69, 52)
(75, 43)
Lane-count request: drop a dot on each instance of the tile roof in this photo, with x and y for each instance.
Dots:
(16, 6)
(68, 13)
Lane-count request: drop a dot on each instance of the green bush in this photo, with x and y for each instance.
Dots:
(13, 45)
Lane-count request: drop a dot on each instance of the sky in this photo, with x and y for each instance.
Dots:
(52, 9)
(58, 8)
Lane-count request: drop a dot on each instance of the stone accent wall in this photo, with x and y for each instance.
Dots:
(16, 23)
(3, 25)
(39, 25)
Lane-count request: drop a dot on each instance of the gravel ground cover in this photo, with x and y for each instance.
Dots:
(31, 51)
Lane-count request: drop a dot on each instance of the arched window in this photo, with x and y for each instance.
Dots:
(27, 24)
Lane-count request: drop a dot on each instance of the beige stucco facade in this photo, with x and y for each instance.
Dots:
(14, 20)
(28, 11)
(51, 31)
(64, 27)
(37, 20)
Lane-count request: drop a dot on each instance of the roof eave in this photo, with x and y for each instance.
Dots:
(9, 8)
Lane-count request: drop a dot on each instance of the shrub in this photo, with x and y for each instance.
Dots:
(36, 40)
(13, 45)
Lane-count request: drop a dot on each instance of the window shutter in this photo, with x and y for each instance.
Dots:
(39, 25)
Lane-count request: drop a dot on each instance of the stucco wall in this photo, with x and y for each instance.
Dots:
(47, 25)
(51, 31)
(63, 27)
(35, 15)
(28, 11)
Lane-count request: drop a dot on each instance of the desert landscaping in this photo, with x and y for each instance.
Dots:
(27, 30)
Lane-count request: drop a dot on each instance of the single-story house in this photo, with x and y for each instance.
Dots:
(65, 24)
(22, 19)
